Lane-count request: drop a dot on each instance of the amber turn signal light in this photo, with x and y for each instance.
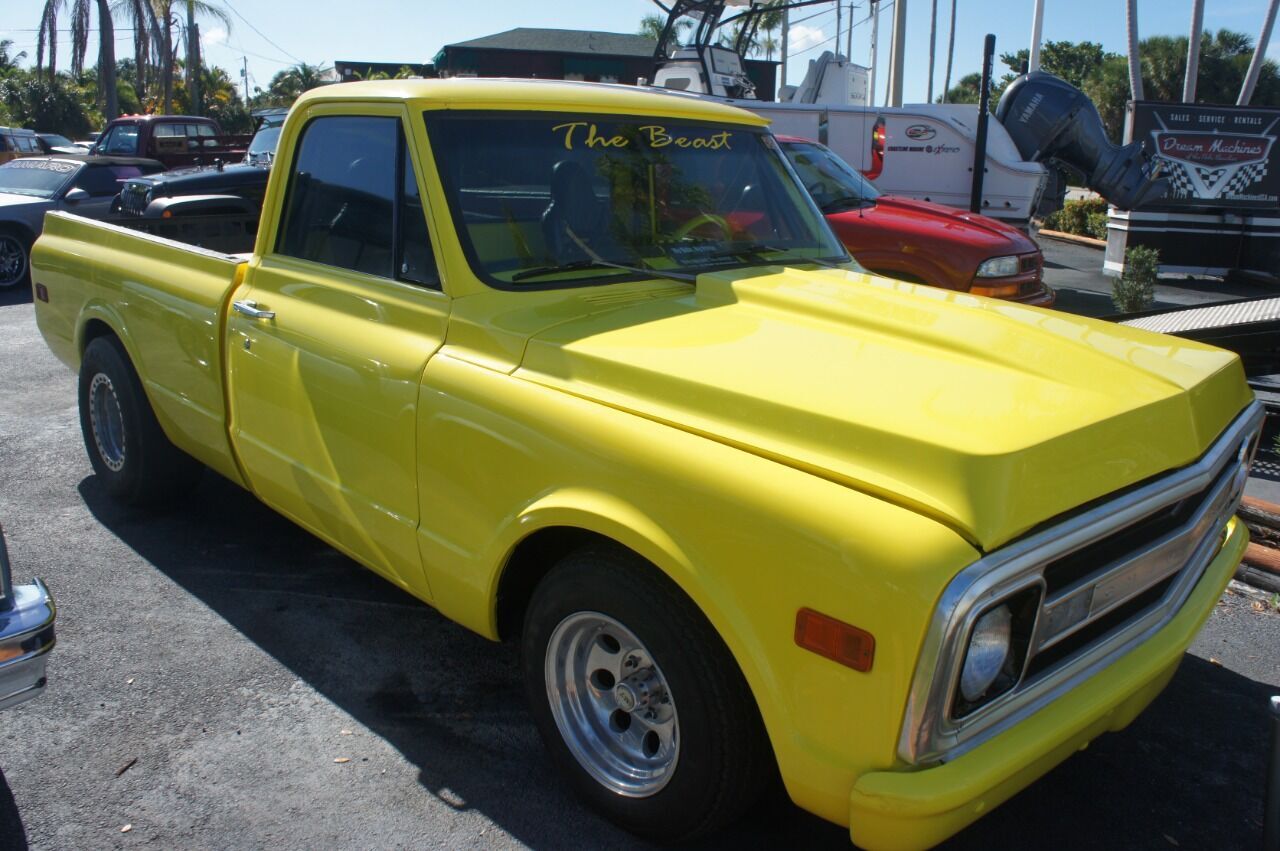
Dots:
(1005, 291)
(836, 640)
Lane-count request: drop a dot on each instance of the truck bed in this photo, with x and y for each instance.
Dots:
(173, 297)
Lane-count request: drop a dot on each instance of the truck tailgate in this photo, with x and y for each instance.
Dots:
(163, 299)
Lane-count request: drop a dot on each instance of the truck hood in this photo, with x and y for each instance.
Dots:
(990, 417)
(948, 225)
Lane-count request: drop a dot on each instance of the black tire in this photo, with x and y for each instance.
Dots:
(724, 762)
(132, 457)
(15, 259)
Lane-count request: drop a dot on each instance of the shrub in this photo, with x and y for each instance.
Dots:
(1079, 217)
(1135, 289)
(1098, 225)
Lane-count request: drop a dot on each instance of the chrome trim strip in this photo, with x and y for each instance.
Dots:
(928, 734)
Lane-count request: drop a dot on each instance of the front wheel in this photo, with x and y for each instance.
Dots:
(15, 260)
(127, 447)
(638, 700)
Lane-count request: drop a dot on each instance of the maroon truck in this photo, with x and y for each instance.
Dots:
(175, 140)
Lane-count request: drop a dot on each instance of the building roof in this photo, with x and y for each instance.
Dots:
(563, 41)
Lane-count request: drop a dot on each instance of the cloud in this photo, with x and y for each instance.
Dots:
(213, 36)
(802, 38)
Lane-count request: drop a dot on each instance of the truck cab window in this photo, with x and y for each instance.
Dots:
(120, 140)
(340, 208)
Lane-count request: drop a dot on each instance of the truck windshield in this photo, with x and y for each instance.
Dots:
(832, 182)
(37, 178)
(555, 200)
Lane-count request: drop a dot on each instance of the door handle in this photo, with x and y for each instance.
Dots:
(251, 310)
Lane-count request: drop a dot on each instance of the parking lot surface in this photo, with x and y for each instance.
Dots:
(224, 680)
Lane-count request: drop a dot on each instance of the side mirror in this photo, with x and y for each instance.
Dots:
(75, 196)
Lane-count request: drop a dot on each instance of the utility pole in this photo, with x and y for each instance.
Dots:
(1135, 64)
(244, 79)
(1259, 56)
(838, 6)
(1193, 52)
(951, 52)
(193, 58)
(786, 28)
(933, 46)
(875, 40)
(848, 45)
(1037, 30)
(897, 52)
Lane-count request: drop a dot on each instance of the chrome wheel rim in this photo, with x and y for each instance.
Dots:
(107, 421)
(612, 704)
(13, 261)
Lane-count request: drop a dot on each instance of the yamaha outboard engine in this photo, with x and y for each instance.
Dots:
(1052, 121)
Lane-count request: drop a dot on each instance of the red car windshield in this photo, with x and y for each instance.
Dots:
(833, 183)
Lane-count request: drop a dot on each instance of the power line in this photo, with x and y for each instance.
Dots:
(227, 3)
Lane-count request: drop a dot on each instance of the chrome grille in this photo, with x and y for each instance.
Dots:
(1106, 579)
(133, 198)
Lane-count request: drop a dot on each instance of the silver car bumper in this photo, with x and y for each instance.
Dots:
(26, 637)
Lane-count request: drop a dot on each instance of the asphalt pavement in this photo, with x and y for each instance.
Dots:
(224, 680)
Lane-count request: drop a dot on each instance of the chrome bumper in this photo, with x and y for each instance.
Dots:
(26, 637)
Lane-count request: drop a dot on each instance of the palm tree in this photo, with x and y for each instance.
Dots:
(81, 20)
(48, 37)
(164, 16)
(652, 27)
(141, 18)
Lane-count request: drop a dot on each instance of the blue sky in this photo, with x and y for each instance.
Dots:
(274, 35)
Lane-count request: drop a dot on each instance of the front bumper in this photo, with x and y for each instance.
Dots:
(918, 809)
(26, 637)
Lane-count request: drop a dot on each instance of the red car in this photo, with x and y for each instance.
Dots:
(916, 240)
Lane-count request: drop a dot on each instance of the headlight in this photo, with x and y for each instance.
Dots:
(988, 650)
(999, 267)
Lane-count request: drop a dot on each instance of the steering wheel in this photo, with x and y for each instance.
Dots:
(703, 219)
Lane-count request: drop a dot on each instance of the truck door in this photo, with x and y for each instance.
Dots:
(329, 335)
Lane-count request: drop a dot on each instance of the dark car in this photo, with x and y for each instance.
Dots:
(32, 186)
(247, 180)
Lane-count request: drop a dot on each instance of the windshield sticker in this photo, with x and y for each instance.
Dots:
(44, 165)
(694, 253)
(587, 134)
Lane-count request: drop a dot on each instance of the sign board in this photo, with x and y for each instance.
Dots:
(1218, 157)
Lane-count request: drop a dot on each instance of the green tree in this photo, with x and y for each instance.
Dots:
(968, 89)
(51, 104)
(1072, 61)
(651, 27)
(287, 85)
(9, 61)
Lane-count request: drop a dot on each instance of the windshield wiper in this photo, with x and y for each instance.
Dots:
(576, 265)
(847, 201)
(758, 250)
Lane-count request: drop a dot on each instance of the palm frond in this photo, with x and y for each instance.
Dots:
(79, 34)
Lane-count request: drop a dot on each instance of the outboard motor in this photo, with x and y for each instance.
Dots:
(1052, 121)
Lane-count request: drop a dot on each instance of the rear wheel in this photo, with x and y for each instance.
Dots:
(128, 450)
(15, 259)
(639, 701)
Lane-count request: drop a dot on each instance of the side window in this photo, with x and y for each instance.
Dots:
(417, 260)
(105, 181)
(121, 139)
(340, 206)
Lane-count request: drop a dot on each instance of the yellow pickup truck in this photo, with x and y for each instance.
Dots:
(582, 367)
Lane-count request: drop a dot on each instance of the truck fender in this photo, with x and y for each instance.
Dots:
(606, 516)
